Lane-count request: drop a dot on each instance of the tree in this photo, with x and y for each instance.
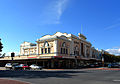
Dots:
(1, 46)
(109, 58)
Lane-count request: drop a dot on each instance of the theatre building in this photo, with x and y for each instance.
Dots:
(60, 50)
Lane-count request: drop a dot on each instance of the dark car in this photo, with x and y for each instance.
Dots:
(15, 66)
(114, 65)
(24, 66)
(91, 65)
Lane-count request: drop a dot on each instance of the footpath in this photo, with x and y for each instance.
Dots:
(9, 81)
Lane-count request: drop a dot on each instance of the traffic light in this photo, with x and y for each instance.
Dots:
(1, 46)
(12, 54)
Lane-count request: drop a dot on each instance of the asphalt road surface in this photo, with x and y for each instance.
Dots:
(64, 76)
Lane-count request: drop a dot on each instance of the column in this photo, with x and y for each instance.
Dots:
(90, 52)
(72, 48)
(37, 51)
(52, 64)
(56, 47)
(80, 49)
(85, 50)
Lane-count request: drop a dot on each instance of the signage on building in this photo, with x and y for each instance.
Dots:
(31, 57)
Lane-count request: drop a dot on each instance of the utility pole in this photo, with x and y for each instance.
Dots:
(12, 56)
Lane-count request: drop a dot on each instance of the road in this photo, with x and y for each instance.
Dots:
(77, 76)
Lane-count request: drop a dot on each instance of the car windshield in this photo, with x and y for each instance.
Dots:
(15, 64)
(8, 64)
(25, 65)
(34, 65)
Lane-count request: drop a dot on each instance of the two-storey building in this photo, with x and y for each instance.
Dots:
(60, 50)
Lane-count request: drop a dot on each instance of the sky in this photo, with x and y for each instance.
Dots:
(29, 20)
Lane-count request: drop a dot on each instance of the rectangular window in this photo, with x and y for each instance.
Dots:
(78, 53)
(61, 51)
(41, 51)
(48, 50)
(45, 50)
(66, 51)
(82, 52)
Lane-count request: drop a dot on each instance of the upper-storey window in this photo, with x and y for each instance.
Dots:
(93, 54)
(46, 44)
(64, 49)
(82, 51)
(42, 51)
(87, 51)
(63, 45)
(46, 48)
(76, 50)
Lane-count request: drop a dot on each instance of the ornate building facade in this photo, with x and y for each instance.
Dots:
(60, 50)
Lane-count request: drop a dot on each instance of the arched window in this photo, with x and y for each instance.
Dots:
(46, 49)
(46, 44)
(64, 49)
(63, 45)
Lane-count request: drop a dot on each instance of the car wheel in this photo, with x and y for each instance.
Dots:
(7, 68)
(13, 68)
(24, 68)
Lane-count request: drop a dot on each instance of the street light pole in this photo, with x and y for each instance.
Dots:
(12, 56)
(102, 52)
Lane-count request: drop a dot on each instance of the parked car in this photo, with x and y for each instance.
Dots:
(91, 65)
(10, 66)
(35, 67)
(114, 65)
(23, 66)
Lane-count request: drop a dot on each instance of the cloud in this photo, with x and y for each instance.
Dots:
(112, 26)
(53, 12)
(115, 51)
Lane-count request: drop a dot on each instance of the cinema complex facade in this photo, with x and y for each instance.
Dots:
(60, 50)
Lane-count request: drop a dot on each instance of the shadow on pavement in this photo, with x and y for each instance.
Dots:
(38, 74)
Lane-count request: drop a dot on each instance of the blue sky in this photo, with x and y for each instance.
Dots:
(28, 20)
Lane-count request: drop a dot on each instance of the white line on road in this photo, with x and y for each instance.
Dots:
(116, 80)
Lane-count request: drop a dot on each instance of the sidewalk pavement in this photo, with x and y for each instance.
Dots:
(10, 81)
(99, 68)
(2, 68)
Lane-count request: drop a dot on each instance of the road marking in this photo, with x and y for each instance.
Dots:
(116, 80)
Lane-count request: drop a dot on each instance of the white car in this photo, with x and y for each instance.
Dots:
(35, 67)
(8, 66)
(12, 66)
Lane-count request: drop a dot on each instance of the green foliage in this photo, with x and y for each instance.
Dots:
(109, 58)
(1, 46)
